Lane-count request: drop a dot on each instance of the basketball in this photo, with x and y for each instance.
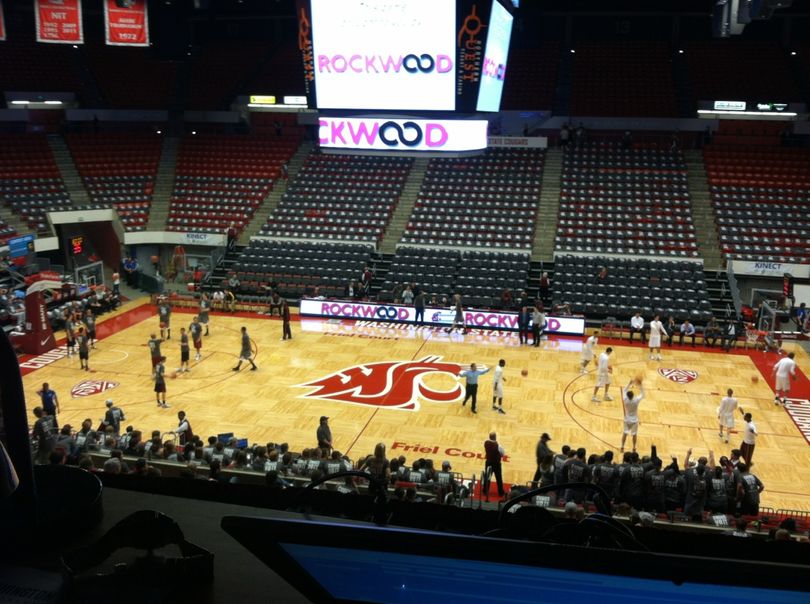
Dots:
(173, 375)
(524, 372)
(755, 379)
(638, 379)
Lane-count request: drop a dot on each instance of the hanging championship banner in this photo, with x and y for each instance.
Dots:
(59, 21)
(2, 24)
(126, 23)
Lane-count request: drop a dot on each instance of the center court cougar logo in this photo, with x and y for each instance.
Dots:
(91, 387)
(679, 376)
(388, 384)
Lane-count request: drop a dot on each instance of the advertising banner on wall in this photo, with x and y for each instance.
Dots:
(473, 318)
(126, 23)
(392, 134)
(765, 268)
(59, 21)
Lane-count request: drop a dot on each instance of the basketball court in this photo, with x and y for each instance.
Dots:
(396, 384)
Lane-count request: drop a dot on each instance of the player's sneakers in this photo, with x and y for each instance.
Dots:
(583, 371)
(235, 369)
(720, 434)
(596, 399)
(165, 405)
(501, 411)
(254, 368)
(608, 397)
(652, 358)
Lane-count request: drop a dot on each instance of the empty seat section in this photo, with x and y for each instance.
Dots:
(674, 288)
(222, 179)
(30, 182)
(299, 268)
(625, 201)
(479, 276)
(531, 77)
(340, 197)
(484, 201)
(760, 198)
(119, 171)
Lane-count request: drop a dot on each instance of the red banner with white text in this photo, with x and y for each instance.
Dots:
(59, 21)
(126, 23)
(2, 24)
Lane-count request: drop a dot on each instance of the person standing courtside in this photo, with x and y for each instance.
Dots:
(538, 324)
(324, 434)
(286, 333)
(524, 318)
(246, 354)
(493, 453)
(50, 402)
(749, 438)
(587, 351)
(497, 387)
(90, 322)
(603, 371)
(419, 308)
(657, 332)
(471, 391)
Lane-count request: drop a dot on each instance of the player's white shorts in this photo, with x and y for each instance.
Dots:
(654, 341)
(602, 379)
(497, 390)
(587, 357)
(631, 428)
(783, 383)
(726, 419)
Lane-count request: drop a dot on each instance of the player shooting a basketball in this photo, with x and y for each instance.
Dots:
(630, 402)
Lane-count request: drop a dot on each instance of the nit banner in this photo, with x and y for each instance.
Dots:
(126, 23)
(59, 21)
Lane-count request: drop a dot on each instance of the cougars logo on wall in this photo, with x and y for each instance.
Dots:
(387, 384)
(679, 376)
(91, 387)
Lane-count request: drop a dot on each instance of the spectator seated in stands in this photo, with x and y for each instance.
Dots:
(687, 330)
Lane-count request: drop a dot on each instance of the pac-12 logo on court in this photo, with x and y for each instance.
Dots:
(91, 387)
(679, 376)
(388, 384)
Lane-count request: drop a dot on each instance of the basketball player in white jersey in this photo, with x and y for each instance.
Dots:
(603, 371)
(784, 369)
(657, 331)
(587, 351)
(725, 413)
(497, 387)
(630, 402)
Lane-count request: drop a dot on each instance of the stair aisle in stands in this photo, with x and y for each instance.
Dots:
(702, 213)
(164, 184)
(271, 201)
(402, 214)
(70, 175)
(546, 229)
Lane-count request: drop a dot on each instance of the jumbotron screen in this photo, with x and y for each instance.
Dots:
(405, 55)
